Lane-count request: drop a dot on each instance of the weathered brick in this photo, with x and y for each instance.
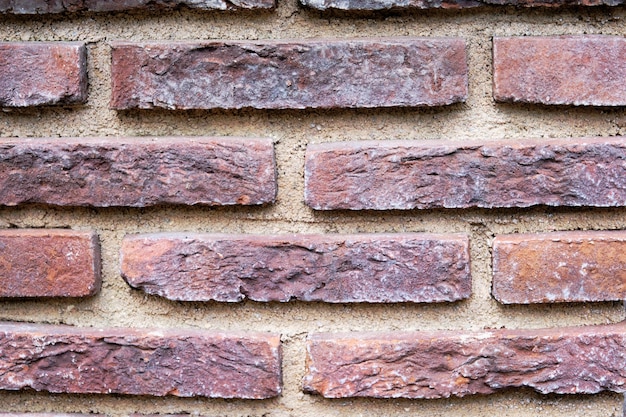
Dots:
(433, 174)
(137, 172)
(374, 5)
(49, 263)
(583, 70)
(559, 267)
(62, 6)
(42, 73)
(184, 363)
(49, 415)
(332, 268)
(577, 360)
(289, 74)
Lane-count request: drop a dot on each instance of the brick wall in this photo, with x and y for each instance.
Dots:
(359, 208)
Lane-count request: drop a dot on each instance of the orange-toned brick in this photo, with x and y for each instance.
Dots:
(559, 267)
(49, 263)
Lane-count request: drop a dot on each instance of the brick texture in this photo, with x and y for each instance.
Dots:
(575, 70)
(559, 266)
(289, 74)
(330, 268)
(49, 263)
(373, 5)
(63, 359)
(137, 172)
(49, 415)
(42, 73)
(61, 6)
(454, 363)
(409, 174)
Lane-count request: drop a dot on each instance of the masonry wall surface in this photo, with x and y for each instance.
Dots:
(477, 120)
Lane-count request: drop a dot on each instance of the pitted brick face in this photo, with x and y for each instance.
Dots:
(64, 359)
(454, 363)
(372, 268)
(584, 70)
(65, 6)
(403, 175)
(559, 267)
(42, 73)
(46, 263)
(137, 172)
(397, 5)
(325, 74)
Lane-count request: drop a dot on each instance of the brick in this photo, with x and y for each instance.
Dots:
(49, 415)
(577, 360)
(62, 6)
(331, 268)
(390, 175)
(375, 5)
(49, 263)
(42, 73)
(571, 70)
(288, 74)
(182, 363)
(559, 267)
(137, 172)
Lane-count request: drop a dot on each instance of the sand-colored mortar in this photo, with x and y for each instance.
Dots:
(477, 120)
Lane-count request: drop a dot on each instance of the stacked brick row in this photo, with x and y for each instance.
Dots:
(343, 268)
(357, 268)
(375, 268)
(399, 72)
(29, 7)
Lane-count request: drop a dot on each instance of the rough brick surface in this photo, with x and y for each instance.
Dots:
(42, 73)
(48, 263)
(372, 5)
(409, 174)
(289, 74)
(330, 268)
(61, 6)
(65, 359)
(49, 415)
(137, 172)
(442, 364)
(560, 266)
(575, 70)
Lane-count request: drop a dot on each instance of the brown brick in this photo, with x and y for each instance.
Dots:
(374, 5)
(584, 70)
(577, 360)
(332, 268)
(42, 73)
(49, 415)
(559, 267)
(49, 263)
(433, 174)
(62, 6)
(289, 75)
(137, 172)
(184, 363)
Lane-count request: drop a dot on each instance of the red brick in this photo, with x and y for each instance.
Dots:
(372, 5)
(577, 360)
(42, 73)
(62, 6)
(137, 172)
(559, 267)
(183, 363)
(49, 415)
(433, 174)
(332, 268)
(49, 263)
(575, 70)
(289, 74)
